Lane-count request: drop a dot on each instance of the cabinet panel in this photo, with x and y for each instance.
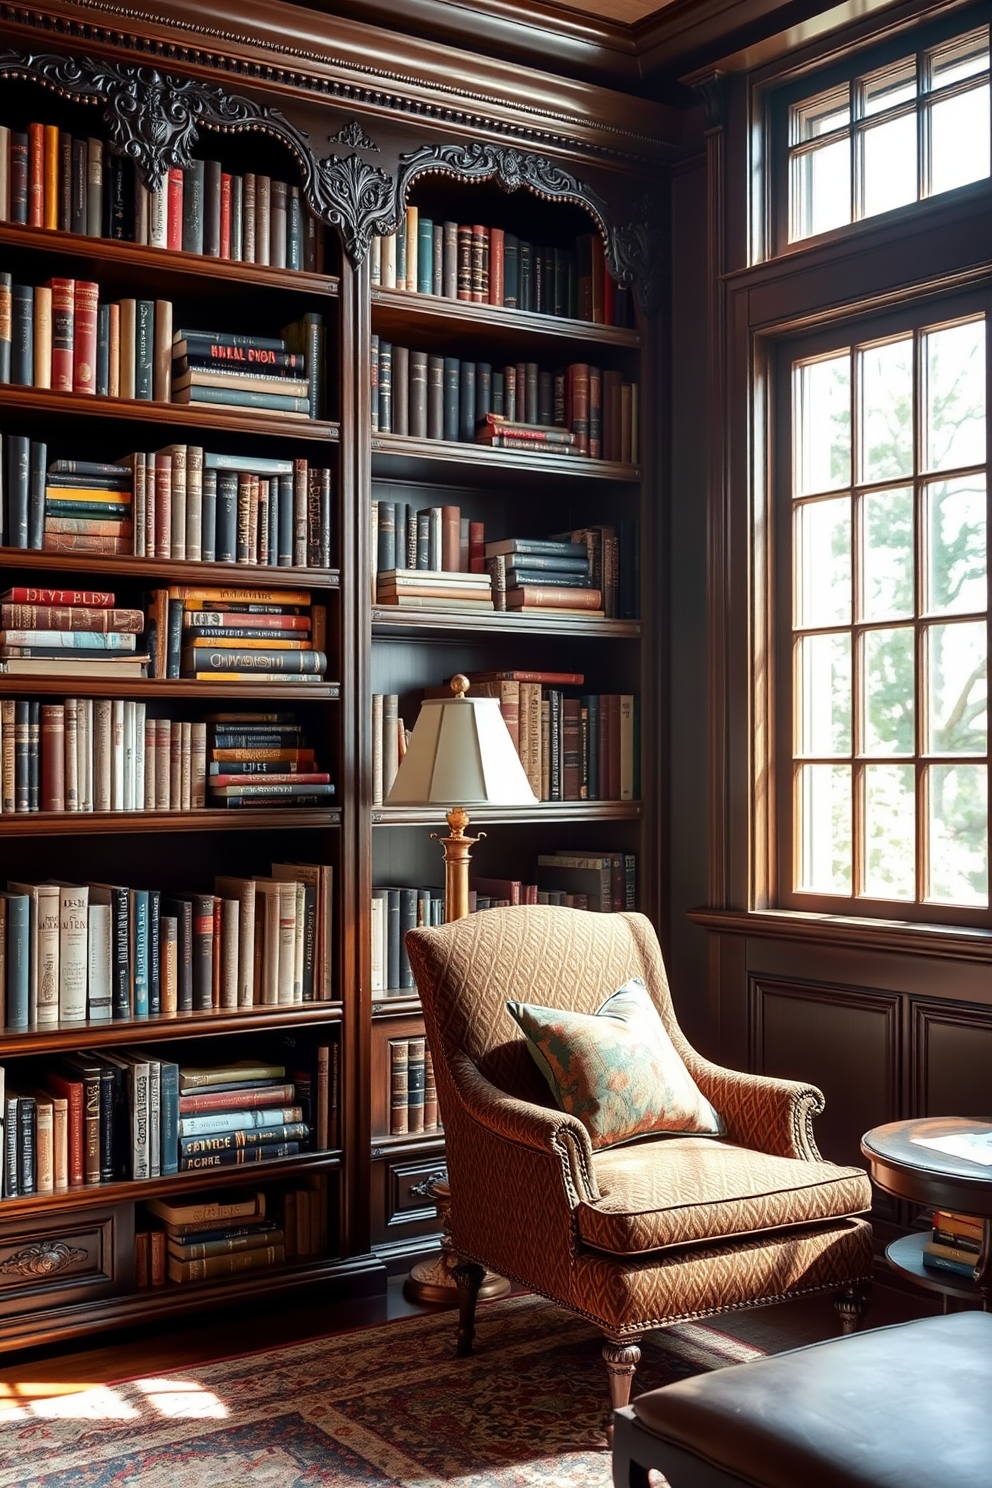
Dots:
(62, 1259)
(845, 1042)
(952, 1068)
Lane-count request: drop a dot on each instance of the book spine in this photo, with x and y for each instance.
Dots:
(399, 1067)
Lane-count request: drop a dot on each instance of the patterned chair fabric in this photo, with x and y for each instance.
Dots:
(639, 1235)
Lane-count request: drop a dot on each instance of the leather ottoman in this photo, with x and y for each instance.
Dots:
(888, 1408)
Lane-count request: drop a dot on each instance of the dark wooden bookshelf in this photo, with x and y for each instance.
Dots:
(215, 1021)
(126, 687)
(41, 404)
(402, 457)
(387, 621)
(83, 823)
(397, 313)
(544, 811)
(161, 572)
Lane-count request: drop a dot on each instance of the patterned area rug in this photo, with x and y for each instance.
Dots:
(383, 1407)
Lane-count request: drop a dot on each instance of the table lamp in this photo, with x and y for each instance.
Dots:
(460, 754)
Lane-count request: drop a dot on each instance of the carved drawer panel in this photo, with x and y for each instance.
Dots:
(64, 1258)
(400, 1208)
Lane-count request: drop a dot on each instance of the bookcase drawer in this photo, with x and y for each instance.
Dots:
(399, 1212)
(65, 1258)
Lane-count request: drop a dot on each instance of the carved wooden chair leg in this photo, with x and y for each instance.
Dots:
(469, 1278)
(621, 1357)
(852, 1306)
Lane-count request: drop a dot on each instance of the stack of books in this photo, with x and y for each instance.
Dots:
(220, 634)
(417, 589)
(212, 1234)
(98, 754)
(436, 538)
(64, 638)
(75, 185)
(304, 1217)
(603, 882)
(233, 371)
(238, 1113)
(955, 1244)
(412, 1088)
(575, 410)
(88, 508)
(539, 574)
(487, 265)
(263, 759)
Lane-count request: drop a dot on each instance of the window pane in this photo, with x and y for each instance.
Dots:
(958, 688)
(820, 115)
(956, 546)
(822, 422)
(955, 396)
(888, 692)
(825, 689)
(959, 140)
(887, 554)
(961, 58)
(825, 818)
(888, 87)
(957, 799)
(823, 562)
(887, 410)
(890, 831)
(888, 165)
(821, 189)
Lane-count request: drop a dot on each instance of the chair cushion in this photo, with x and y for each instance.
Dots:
(616, 1070)
(675, 1190)
(882, 1409)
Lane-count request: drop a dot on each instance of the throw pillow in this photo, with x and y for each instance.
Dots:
(617, 1070)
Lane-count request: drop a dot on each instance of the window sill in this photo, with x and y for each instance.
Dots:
(946, 942)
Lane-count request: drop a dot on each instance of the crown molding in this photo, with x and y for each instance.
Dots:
(269, 42)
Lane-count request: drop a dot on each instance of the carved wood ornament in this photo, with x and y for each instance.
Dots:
(43, 1258)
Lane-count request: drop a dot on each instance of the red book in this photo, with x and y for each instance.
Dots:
(52, 757)
(174, 221)
(63, 322)
(69, 542)
(36, 175)
(496, 236)
(451, 519)
(71, 1091)
(553, 597)
(225, 216)
(476, 547)
(499, 888)
(84, 336)
(242, 1100)
(295, 777)
(93, 598)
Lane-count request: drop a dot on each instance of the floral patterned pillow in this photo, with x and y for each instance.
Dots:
(617, 1069)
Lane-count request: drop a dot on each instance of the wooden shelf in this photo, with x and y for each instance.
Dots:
(396, 313)
(107, 1032)
(402, 457)
(905, 1255)
(544, 811)
(395, 622)
(406, 1142)
(132, 1191)
(184, 268)
(84, 823)
(173, 571)
(43, 404)
(146, 687)
(402, 1002)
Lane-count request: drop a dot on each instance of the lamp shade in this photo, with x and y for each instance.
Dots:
(460, 754)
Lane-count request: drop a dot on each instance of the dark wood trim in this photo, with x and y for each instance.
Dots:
(180, 1026)
(46, 404)
(165, 571)
(944, 942)
(579, 811)
(84, 823)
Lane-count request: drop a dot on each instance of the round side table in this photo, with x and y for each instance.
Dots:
(905, 1168)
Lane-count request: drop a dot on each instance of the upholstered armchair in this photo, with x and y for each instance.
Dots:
(649, 1232)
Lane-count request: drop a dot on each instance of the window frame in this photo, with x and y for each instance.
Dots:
(772, 104)
(777, 681)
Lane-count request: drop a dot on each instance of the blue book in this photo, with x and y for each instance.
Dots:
(208, 519)
(247, 464)
(18, 934)
(154, 953)
(452, 368)
(284, 536)
(139, 901)
(425, 256)
(211, 1123)
(242, 398)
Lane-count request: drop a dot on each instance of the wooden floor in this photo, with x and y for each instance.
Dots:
(42, 1373)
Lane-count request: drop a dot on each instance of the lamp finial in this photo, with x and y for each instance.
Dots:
(460, 685)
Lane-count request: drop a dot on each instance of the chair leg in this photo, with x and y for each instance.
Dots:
(621, 1357)
(469, 1278)
(852, 1305)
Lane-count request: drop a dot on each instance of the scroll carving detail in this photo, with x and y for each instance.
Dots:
(43, 1258)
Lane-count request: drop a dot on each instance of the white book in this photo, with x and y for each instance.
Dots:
(128, 803)
(3, 1124)
(71, 754)
(45, 911)
(138, 798)
(194, 503)
(186, 768)
(230, 914)
(150, 761)
(117, 755)
(141, 211)
(378, 967)
(103, 754)
(390, 741)
(154, 1108)
(375, 262)
(59, 1106)
(44, 1146)
(99, 998)
(243, 890)
(388, 261)
(177, 452)
(163, 764)
(158, 216)
(84, 750)
(73, 952)
(198, 759)
(321, 878)
(278, 909)
(377, 749)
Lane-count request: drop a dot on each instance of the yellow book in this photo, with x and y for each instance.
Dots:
(43, 336)
(51, 208)
(85, 493)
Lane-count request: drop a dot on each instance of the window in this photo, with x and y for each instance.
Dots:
(887, 725)
(909, 130)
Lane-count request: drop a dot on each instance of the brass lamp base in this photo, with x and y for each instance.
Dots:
(433, 1279)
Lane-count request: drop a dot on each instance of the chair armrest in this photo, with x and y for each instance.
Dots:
(766, 1114)
(549, 1132)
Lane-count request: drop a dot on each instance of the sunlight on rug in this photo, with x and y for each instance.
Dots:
(384, 1407)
